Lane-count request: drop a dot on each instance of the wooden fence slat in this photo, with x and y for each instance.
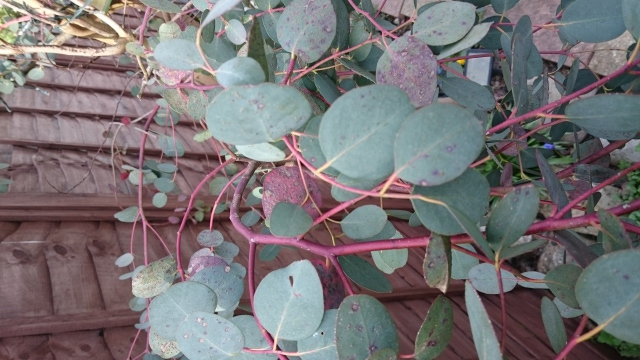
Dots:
(26, 348)
(24, 276)
(79, 345)
(104, 249)
(70, 264)
(35, 325)
(119, 340)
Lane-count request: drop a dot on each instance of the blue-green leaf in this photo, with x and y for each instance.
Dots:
(444, 23)
(593, 21)
(375, 114)
(168, 309)
(178, 54)
(409, 64)
(289, 302)
(363, 327)
(553, 325)
(289, 220)
(253, 114)
(206, 336)
(307, 28)
(240, 71)
(364, 274)
(436, 144)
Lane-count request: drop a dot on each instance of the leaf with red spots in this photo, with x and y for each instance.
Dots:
(436, 144)
(436, 330)
(332, 285)
(410, 65)
(364, 327)
(285, 184)
(307, 28)
(437, 262)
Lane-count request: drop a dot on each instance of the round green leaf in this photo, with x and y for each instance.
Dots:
(167, 168)
(469, 194)
(197, 105)
(168, 309)
(164, 184)
(364, 274)
(253, 338)
(262, 152)
(390, 260)
(240, 71)
(483, 277)
(210, 238)
(269, 252)
(155, 278)
(608, 291)
(444, 23)
(227, 284)
(159, 200)
(357, 35)
(321, 345)
(289, 302)
(474, 35)
(218, 51)
(227, 251)
(36, 73)
(343, 195)
(162, 5)
(289, 220)
(631, 16)
(6, 86)
(436, 144)
(178, 54)
(206, 336)
(250, 218)
(501, 6)
(124, 260)
(355, 126)
(553, 325)
(364, 222)
(236, 33)
(612, 117)
(306, 28)
(217, 185)
(166, 349)
(253, 114)
(127, 215)
(436, 330)
(363, 327)
(468, 93)
(171, 146)
(566, 311)
(562, 281)
(593, 21)
(533, 285)
(409, 64)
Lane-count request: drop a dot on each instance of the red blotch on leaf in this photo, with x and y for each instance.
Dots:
(332, 286)
(284, 184)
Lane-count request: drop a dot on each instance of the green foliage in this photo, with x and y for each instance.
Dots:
(310, 98)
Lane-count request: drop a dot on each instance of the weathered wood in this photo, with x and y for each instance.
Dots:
(35, 325)
(105, 249)
(119, 340)
(74, 283)
(79, 345)
(26, 348)
(25, 289)
(91, 148)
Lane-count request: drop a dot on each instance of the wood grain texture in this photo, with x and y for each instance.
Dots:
(80, 345)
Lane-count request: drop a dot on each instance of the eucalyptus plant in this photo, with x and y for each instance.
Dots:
(296, 93)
